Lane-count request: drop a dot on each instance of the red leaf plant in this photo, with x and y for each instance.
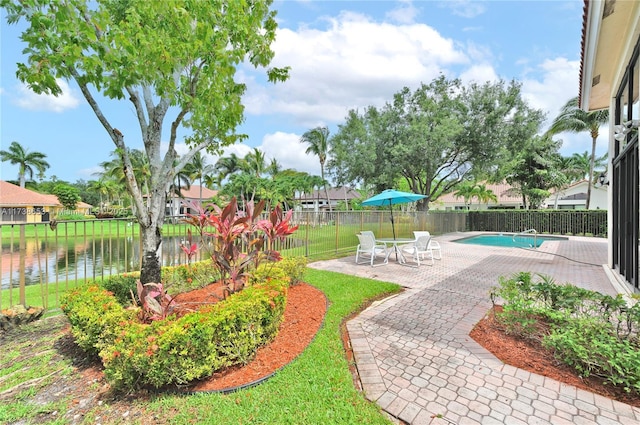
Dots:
(239, 237)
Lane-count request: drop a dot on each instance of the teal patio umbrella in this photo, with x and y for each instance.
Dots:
(391, 197)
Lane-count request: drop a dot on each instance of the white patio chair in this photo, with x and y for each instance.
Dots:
(420, 249)
(370, 249)
(434, 245)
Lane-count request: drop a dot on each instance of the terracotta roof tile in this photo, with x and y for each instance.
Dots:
(16, 196)
(12, 195)
(194, 192)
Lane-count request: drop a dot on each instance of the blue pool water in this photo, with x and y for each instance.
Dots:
(507, 240)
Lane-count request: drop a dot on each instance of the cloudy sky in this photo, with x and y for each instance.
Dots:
(343, 55)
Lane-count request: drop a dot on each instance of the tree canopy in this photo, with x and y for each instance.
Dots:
(174, 62)
(434, 138)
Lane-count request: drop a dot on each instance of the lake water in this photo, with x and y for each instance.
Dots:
(51, 261)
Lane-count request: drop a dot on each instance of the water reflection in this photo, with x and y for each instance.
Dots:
(50, 260)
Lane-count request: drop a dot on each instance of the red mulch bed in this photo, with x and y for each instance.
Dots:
(530, 355)
(303, 316)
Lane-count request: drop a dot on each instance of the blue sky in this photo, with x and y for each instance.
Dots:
(343, 55)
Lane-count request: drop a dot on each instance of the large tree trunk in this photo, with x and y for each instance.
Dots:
(151, 222)
(151, 250)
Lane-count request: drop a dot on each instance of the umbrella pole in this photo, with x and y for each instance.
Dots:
(393, 230)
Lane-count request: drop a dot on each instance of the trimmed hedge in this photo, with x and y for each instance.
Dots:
(175, 350)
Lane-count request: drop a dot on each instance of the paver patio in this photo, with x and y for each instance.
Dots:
(417, 361)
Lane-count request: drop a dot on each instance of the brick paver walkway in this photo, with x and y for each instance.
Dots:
(417, 361)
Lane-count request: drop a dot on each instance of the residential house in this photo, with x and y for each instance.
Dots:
(610, 79)
(507, 199)
(21, 205)
(180, 205)
(317, 200)
(574, 197)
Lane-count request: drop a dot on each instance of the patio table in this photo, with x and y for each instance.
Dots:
(400, 258)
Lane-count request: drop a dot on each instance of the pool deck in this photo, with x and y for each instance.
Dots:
(415, 358)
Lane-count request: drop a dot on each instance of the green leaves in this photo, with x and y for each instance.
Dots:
(594, 333)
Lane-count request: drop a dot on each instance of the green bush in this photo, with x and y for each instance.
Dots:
(95, 315)
(294, 268)
(186, 277)
(176, 350)
(290, 268)
(121, 285)
(594, 333)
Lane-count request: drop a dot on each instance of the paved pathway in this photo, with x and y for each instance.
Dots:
(416, 360)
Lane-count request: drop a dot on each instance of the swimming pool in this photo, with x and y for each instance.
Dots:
(508, 240)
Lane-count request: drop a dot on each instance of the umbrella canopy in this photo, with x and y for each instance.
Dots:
(391, 197)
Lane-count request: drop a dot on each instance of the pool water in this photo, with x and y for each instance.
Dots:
(507, 240)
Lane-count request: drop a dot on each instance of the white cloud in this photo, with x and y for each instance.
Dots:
(43, 102)
(465, 8)
(352, 63)
(404, 13)
(480, 74)
(286, 147)
(554, 83)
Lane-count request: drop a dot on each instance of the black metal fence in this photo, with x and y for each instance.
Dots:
(585, 223)
(53, 258)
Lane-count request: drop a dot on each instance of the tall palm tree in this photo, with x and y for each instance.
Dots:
(317, 140)
(198, 168)
(228, 165)
(255, 162)
(467, 191)
(575, 120)
(274, 168)
(25, 160)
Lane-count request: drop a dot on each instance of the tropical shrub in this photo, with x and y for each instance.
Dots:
(123, 286)
(174, 350)
(594, 333)
(241, 240)
(156, 303)
(96, 317)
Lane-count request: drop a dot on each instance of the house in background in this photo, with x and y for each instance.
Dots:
(180, 205)
(317, 200)
(20, 205)
(574, 197)
(610, 79)
(508, 199)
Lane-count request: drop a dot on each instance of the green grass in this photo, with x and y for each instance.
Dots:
(45, 295)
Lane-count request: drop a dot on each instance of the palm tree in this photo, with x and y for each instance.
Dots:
(255, 162)
(26, 161)
(317, 140)
(274, 168)
(484, 195)
(467, 191)
(575, 120)
(198, 169)
(228, 165)
(114, 168)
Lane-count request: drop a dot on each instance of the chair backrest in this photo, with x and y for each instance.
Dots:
(418, 233)
(422, 242)
(369, 233)
(366, 241)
